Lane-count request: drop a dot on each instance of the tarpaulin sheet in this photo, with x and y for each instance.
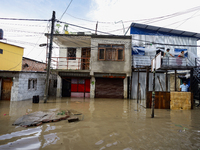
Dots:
(39, 117)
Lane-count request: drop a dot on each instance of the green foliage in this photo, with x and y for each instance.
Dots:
(61, 113)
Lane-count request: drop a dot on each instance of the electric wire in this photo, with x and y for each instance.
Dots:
(187, 19)
(25, 19)
(66, 9)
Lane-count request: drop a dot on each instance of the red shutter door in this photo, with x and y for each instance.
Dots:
(109, 88)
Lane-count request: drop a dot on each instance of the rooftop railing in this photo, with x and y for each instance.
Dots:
(71, 63)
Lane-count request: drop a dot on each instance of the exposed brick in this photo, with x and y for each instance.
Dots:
(32, 65)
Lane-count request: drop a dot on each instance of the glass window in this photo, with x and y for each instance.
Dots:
(71, 53)
(118, 46)
(1, 51)
(120, 54)
(112, 53)
(101, 53)
(105, 45)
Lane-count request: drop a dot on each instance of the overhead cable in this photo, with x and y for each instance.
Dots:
(66, 9)
(25, 19)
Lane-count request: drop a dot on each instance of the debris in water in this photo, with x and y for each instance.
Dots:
(99, 142)
(52, 115)
(178, 125)
(73, 119)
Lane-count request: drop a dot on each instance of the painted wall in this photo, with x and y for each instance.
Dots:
(11, 59)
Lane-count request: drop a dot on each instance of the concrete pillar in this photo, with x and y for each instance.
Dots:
(15, 89)
(59, 86)
(92, 87)
(125, 87)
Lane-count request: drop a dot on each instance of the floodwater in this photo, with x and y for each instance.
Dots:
(109, 124)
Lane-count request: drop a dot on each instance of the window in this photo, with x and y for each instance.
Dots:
(111, 52)
(29, 83)
(120, 54)
(71, 53)
(1, 51)
(102, 54)
(32, 84)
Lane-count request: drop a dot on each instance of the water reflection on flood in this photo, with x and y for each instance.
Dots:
(107, 124)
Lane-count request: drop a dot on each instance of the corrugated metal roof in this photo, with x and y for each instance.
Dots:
(167, 31)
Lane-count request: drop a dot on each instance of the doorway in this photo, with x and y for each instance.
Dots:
(85, 58)
(66, 87)
(6, 89)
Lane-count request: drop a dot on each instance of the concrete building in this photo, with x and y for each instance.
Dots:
(95, 66)
(21, 79)
(22, 85)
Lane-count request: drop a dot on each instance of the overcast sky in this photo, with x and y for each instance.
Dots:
(113, 16)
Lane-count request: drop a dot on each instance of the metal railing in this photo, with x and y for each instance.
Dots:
(138, 61)
(174, 61)
(71, 63)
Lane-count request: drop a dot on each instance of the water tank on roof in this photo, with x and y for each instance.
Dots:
(1, 34)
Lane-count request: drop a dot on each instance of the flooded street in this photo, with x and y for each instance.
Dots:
(115, 124)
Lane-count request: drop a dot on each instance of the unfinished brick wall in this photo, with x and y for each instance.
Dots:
(32, 65)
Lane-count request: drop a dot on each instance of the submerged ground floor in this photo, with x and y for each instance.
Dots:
(107, 124)
(82, 85)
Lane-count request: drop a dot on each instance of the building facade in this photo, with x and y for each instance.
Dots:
(22, 78)
(95, 66)
(147, 42)
(23, 85)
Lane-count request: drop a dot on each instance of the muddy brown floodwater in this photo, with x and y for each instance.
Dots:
(110, 124)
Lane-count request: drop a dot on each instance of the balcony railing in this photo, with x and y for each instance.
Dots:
(174, 61)
(71, 63)
(166, 62)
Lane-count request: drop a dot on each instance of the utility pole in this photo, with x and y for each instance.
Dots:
(96, 28)
(153, 95)
(49, 57)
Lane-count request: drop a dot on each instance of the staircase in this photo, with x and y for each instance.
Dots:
(196, 80)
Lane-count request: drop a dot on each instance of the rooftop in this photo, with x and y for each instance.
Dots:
(145, 29)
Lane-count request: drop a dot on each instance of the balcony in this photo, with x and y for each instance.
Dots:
(166, 62)
(70, 63)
